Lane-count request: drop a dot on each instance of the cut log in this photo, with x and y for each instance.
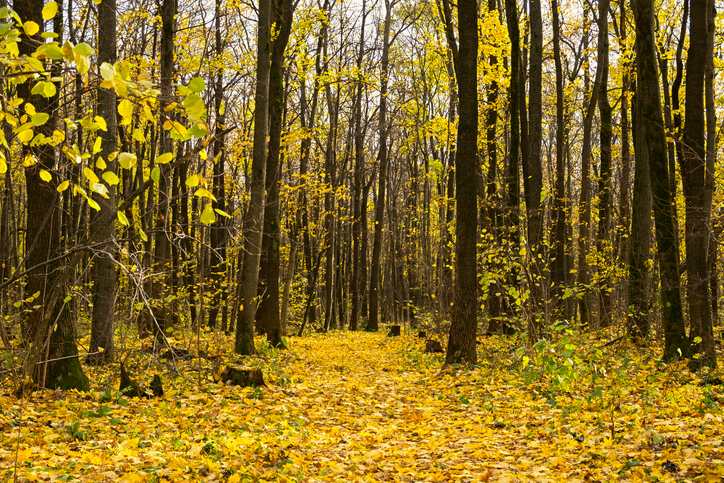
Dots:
(433, 347)
(243, 376)
(394, 331)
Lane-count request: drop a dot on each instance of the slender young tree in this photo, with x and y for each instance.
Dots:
(103, 272)
(373, 323)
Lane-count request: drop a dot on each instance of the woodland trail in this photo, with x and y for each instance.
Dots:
(365, 407)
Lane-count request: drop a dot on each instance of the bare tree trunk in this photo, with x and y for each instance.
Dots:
(103, 273)
(254, 220)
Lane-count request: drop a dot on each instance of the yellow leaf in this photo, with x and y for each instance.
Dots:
(122, 218)
(63, 186)
(31, 28)
(45, 176)
(235, 478)
(193, 181)
(164, 158)
(110, 178)
(50, 10)
(88, 173)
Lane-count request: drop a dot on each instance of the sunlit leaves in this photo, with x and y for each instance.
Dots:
(31, 28)
(63, 186)
(127, 160)
(165, 158)
(50, 10)
(122, 218)
(110, 178)
(125, 109)
(83, 49)
(88, 173)
(208, 216)
(193, 181)
(108, 72)
(197, 84)
(45, 175)
(40, 118)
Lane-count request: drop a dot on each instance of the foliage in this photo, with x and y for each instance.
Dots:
(361, 407)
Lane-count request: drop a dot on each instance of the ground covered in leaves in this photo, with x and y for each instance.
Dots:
(366, 407)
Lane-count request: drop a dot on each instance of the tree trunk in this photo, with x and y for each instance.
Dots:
(52, 360)
(463, 328)
(373, 323)
(268, 315)
(254, 220)
(103, 272)
(651, 121)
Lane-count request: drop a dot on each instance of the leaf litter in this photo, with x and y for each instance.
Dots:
(354, 406)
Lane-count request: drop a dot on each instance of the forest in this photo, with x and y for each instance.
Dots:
(383, 228)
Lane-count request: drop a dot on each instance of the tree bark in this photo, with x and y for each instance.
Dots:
(254, 220)
(103, 272)
(52, 360)
(463, 328)
(651, 122)
(373, 323)
(268, 316)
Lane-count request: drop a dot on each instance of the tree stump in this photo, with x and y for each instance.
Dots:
(156, 386)
(243, 376)
(394, 331)
(128, 386)
(433, 347)
(422, 334)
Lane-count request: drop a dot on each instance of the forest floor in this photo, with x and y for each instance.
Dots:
(352, 406)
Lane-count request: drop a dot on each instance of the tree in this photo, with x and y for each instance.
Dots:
(268, 316)
(48, 328)
(254, 219)
(652, 139)
(103, 273)
(464, 324)
(372, 323)
(697, 174)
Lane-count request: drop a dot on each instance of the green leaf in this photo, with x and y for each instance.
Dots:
(49, 90)
(40, 118)
(155, 174)
(198, 131)
(208, 216)
(197, 84)
(83, 49)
